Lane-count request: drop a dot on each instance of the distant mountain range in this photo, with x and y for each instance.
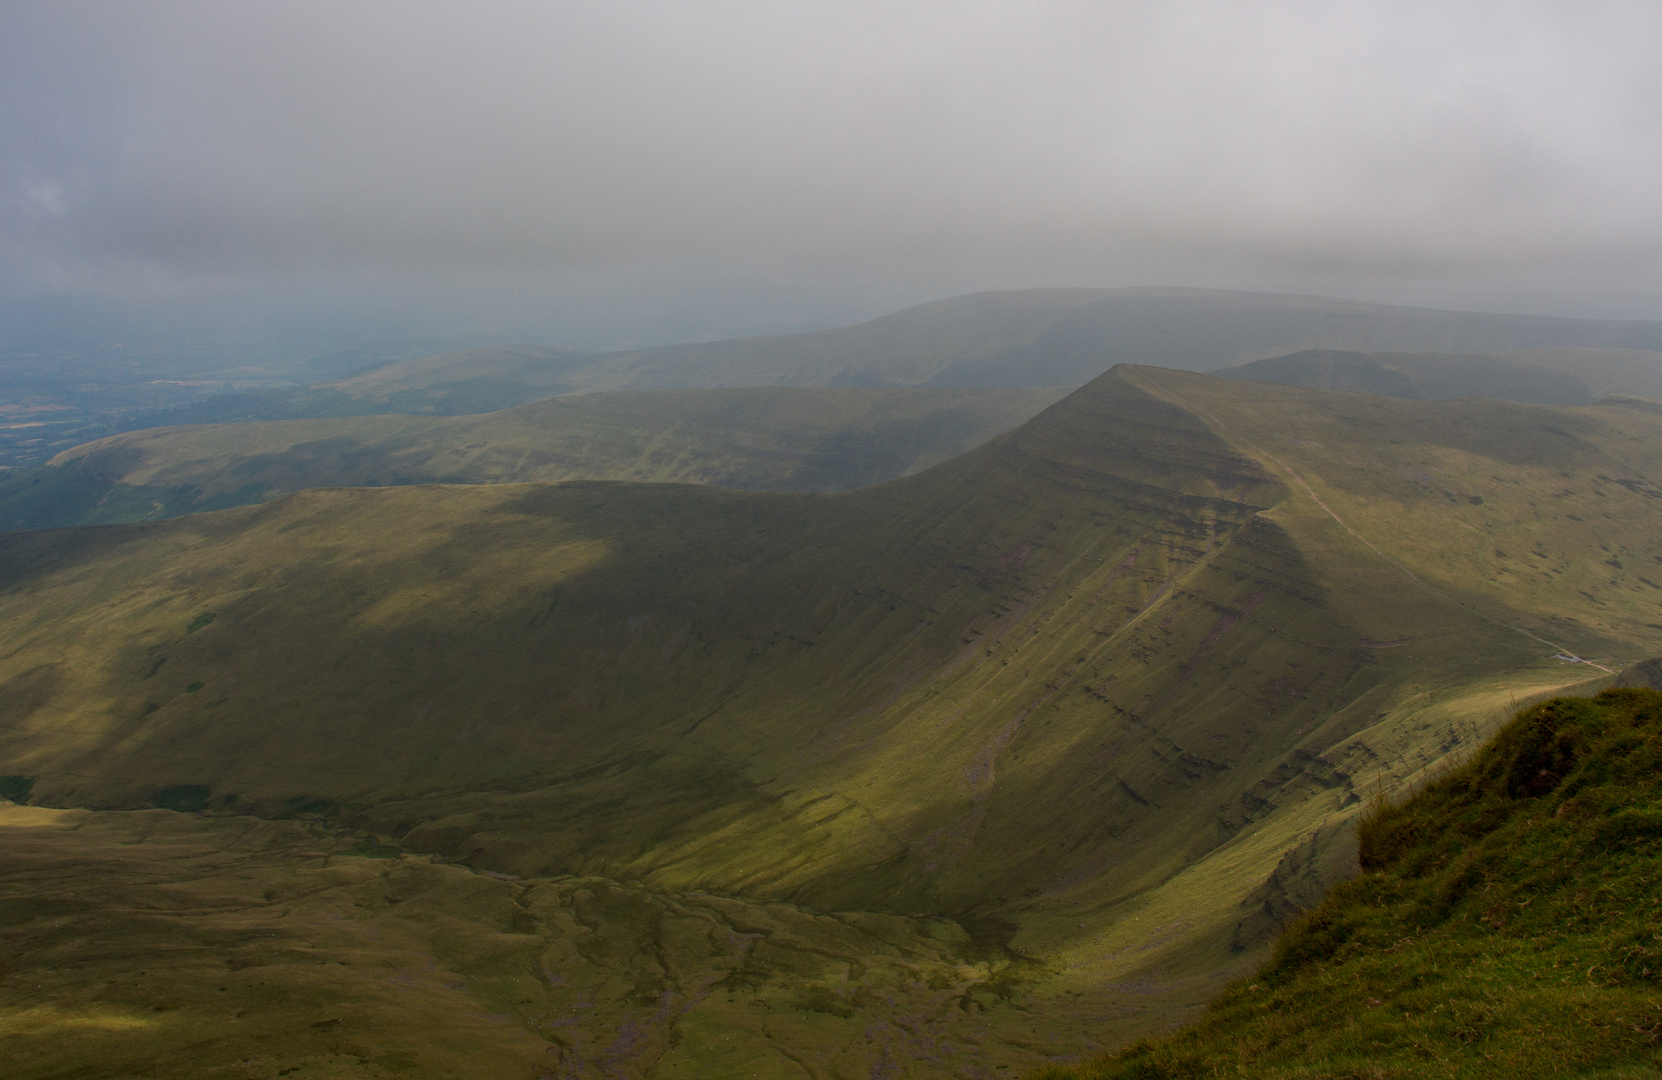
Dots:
(758, 434)
(1040, 337)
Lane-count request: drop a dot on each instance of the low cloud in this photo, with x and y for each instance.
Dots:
(865, 152)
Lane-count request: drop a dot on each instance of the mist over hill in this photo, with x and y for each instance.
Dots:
(1419, 376)
(64, 389)
(1078, 716)
(1060, 337)
(1542, 376)
(786, 436)
(1037, 337)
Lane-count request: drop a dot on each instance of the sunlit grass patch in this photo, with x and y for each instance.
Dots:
(46, 1021)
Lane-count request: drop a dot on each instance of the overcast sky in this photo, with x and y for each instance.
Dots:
(620, 170)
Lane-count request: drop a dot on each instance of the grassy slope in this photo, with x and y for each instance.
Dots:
(1419, 375)
(154, 943)
(1506, 923)
(1547, 512)
(1080, 688)
(789, 439)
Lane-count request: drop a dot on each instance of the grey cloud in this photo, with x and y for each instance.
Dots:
(168, 145)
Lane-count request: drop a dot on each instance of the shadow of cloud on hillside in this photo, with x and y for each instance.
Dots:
(20, 694)
(432, 649)
(651, 665)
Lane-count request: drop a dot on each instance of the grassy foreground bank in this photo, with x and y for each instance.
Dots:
(1508, 922)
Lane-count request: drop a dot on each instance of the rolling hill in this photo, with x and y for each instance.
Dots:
(1541, 376)
(991, 765)
(1056, 337)
(780, 439)
(1419, 376)
(1036, 337)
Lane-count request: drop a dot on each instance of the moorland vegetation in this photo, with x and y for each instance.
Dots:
(992, 765)
(1506, 922)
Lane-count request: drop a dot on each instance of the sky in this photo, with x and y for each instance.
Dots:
(626, 172)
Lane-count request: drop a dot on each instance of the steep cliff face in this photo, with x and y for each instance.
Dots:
(896, 646)
(1504, 923)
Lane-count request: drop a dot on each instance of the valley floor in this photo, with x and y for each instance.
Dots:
(157, 943)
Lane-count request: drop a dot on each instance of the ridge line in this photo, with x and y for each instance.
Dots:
(1290, 471)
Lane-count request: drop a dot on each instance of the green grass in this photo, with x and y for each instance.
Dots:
(1104, 693)
(149, 943)
(1507, 922)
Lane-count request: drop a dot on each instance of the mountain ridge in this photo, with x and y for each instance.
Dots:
(1216, 615)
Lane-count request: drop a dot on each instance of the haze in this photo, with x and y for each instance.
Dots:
(617, 173)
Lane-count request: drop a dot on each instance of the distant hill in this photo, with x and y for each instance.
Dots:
(1037, 337)
(1505, 924)
(1542, 376)
(775, 439)
(1635, 372)
(1419, 375)
(1068, 336)
(1014, 757)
